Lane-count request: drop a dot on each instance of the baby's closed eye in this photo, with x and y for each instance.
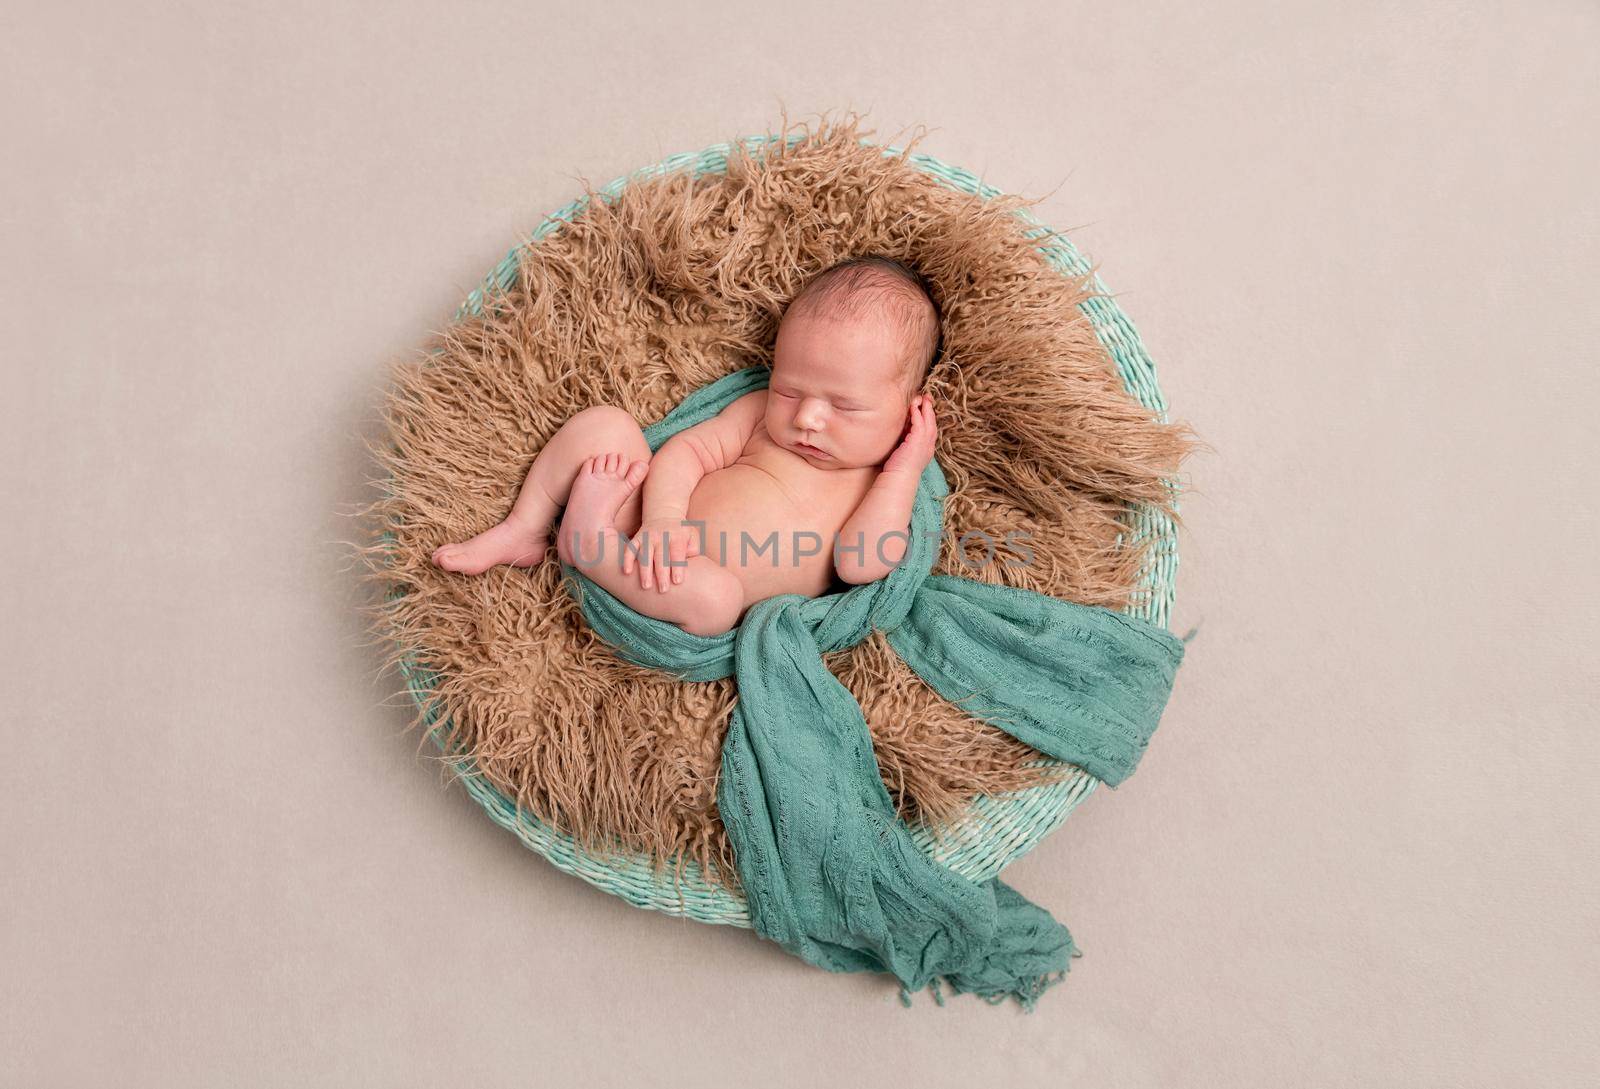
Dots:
(841, 408)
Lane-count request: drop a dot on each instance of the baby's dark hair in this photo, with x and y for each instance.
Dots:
(869, 284)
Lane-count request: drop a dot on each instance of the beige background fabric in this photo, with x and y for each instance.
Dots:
(1361, 242)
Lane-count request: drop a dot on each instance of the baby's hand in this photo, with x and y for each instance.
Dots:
(916, 449)
(657, 541)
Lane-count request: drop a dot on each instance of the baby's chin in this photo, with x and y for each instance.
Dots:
(830, 461)
(848, 463)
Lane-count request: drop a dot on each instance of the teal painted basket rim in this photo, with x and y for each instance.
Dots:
(998, 829)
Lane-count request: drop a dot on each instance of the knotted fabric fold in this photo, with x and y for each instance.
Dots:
(829, 870)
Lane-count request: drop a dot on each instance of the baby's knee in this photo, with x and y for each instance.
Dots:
(602, 412)
(604, 420)
(603, 429)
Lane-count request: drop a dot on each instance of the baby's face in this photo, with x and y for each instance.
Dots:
(836, 386)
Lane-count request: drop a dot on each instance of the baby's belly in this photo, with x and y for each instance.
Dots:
(766, 538)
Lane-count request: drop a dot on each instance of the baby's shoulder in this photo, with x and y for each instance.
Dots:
(749, 402)
(746, 415)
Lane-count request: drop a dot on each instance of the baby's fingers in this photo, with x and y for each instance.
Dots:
(638, 557)
(646, 566)
(680, 557)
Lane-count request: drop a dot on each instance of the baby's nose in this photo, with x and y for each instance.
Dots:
(809, 415)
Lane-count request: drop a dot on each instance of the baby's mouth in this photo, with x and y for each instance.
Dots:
(807, 448)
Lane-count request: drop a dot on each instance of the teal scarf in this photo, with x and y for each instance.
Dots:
(830, 872)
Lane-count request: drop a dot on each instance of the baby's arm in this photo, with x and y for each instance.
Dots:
(663, 542)
(873, 541)
(876, 527)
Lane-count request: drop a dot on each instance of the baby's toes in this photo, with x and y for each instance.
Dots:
(636, 473)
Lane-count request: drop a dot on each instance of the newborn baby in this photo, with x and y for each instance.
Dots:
(785, 487)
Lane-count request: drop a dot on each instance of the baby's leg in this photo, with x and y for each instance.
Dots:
(522, 539)
(709, 600)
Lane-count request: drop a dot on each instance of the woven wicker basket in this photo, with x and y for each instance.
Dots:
(996, 830)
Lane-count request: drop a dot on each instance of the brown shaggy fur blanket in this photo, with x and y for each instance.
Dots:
(638, 302)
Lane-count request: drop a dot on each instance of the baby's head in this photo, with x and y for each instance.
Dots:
(853, 348)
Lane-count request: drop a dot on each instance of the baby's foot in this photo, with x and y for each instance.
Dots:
(509, 542)
(602, 485)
